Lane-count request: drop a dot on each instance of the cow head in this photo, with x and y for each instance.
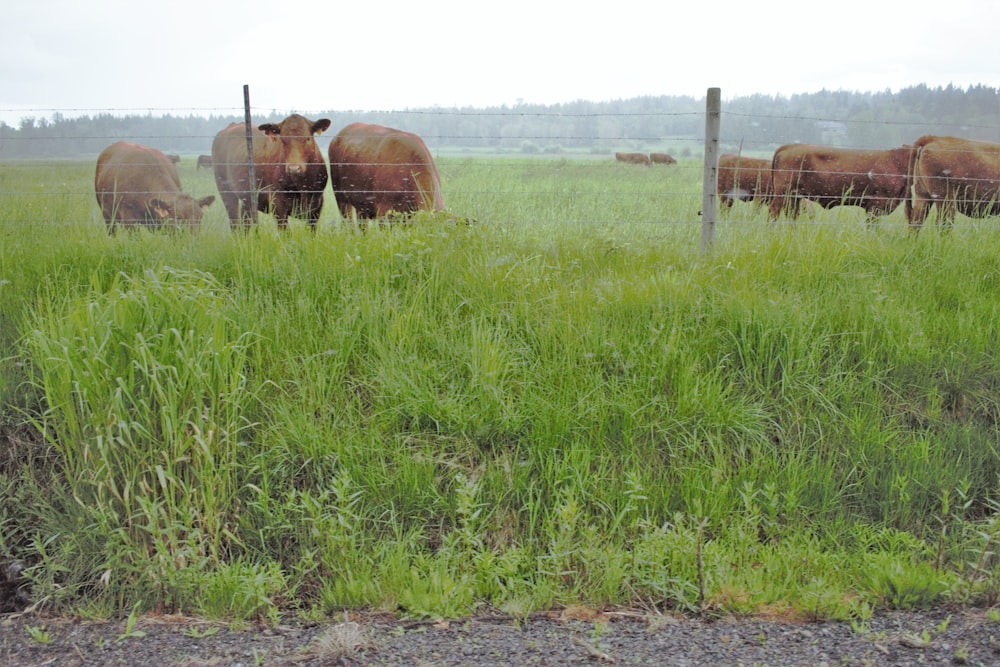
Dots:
(184, 207)
(296, 135)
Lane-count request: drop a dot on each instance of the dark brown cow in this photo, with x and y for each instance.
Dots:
(955, 175)
(744, 179)
(138, 185)
(875, 180)
(661, 158)
(377, 170)
(633, 158)
(204, 161)
(289, 168)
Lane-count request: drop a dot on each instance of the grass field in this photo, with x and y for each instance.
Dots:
(563, 402)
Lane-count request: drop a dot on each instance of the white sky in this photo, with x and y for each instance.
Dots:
(185, 57)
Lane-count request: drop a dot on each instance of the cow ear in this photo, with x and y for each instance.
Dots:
(270, 128)
(205, 202)
(321, 126)
(159, 207)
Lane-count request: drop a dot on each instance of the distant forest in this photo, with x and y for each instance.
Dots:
(756, 123)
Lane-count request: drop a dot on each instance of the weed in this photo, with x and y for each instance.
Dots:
(339, 642)
(39, 634)
(130, 623)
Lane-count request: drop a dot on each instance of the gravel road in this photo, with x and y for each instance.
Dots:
(571, 637)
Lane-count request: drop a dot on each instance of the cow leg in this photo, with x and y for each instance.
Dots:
(946, 213)
(281, 209)
(786, 203)
(232, 205)
(315, 207)
(248, 213)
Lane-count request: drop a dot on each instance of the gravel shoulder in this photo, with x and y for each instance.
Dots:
(571, 637)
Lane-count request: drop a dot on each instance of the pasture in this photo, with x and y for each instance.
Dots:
(563, 402)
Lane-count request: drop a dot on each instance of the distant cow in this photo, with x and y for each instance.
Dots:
(875, 180)
(289, 168)
(661, 158)
(633, 158)
(743, 178)
(954, 175)
(375, 170)
(138, 185)
(176, 159)
(204, 161)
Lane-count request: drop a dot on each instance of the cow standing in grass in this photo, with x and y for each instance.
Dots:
(875, 180)
(633, 158)
(956, 175)
(289, 169)
(138, 185)
(743, 179)
(377, 170)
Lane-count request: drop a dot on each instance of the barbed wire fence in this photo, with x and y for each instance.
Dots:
(585, 134)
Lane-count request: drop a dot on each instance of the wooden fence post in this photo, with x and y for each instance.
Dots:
(251, 171)
(710, 181)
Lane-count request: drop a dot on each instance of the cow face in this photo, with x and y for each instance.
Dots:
(296, 135)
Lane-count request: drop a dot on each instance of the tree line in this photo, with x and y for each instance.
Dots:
(751, 123)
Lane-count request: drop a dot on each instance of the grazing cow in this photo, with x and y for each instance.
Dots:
(743, 178)
(176, 159)
(875, 180)
(204, 161)
(661, 158)
(138, 185)
(376, 170)
(633, 158)
(955, 175)
(288, 165)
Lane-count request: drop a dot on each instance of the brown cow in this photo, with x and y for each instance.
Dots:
(875, 180)
(138, 185)
(204, 161)
(661, 158)
(633, 158)
(376, 170)
(955, 175)
(743, 178)
(288, 165)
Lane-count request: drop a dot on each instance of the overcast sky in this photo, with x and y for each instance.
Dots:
(183, 56)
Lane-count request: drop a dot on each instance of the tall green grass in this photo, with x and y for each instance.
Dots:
(553, 405)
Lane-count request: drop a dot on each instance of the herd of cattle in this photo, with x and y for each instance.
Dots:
(374, 171)
(642, 158)
(952, 174)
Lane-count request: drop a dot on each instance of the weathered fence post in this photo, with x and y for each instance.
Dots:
(251, 172)
(710, 182)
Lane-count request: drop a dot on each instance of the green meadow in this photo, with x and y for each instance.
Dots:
(562, 402)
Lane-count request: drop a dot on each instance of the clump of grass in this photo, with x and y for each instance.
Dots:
(147, 393)
(339, 642)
